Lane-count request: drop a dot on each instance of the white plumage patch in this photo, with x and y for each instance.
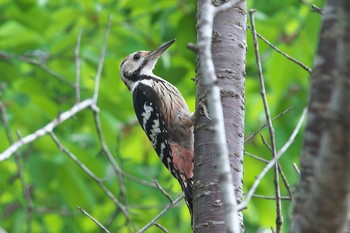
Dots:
(162, 147)
(154, 131)
(146, 114)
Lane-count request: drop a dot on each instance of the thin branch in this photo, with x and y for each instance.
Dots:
(280, 171)
(161, 227)
(93, 219)
(285, 181)
(155, 219)
(283, 198)
(95, 110)
(101, 60)
(108, 153)
(68, 114)
(6, 55)
(263, 125)
(302, 65)
(163, 191)
(77, 67)
(138, 180)
(93, 176)
(313, 7)
(279, 218)
(256, 157)
(25, 187)
(284, 178)
(281, 152)
(294, 134)
(296, 168)
(46, 129)
(265, 142)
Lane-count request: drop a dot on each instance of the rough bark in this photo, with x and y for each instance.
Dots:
(228, 51)
(323, 191)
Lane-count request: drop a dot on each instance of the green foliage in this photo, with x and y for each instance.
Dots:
(37, 75)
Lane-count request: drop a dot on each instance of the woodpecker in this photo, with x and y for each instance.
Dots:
(163, 115)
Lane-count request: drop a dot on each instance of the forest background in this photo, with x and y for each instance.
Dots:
(38, 70)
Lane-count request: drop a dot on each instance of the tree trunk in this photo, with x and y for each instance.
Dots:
(323, 191)
(229, 52)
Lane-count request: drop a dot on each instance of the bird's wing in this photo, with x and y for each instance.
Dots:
(147, 109)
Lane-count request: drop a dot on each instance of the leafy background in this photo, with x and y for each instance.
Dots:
(37, 74)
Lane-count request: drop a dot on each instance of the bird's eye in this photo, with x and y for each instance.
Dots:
(137, 57)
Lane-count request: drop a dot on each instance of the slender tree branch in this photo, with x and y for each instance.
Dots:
(45, 68)
(294, 134)
(101, 60)
(154, 220)
(47, 128)
(93, 176)
(299, 63)
(313, 7)
(263, 125)
(283, 198)
(256, 157)
(280, 171)
(77, 67)
(93, 219)
(279, 218)
(25, 188)
(163, 191)
(284, 178)
(281, 152)
(161, 227)
(296, 168)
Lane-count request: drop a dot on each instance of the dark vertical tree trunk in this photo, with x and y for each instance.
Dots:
(323, 191)
(229, 52)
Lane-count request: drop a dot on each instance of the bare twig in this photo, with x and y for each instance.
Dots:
(161, 227)
(25, 187)
(281, 152)
(285, 181)
(95, 110)
(47, 128)
(6, 55)
(284, 178)
(138, 180)
(77, 67)
(291, 139)
(279, 218)
(163, 191)
(93, 219)
(283, 198)
(302, 65)
(256, 157)
(93, 176)
(263, 125)
(313, 7)
(296, 168)
(101, 60)
(154, 220)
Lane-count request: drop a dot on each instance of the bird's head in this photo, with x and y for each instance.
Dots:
(140, 64)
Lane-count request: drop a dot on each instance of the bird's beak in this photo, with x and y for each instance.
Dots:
(155, 54)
